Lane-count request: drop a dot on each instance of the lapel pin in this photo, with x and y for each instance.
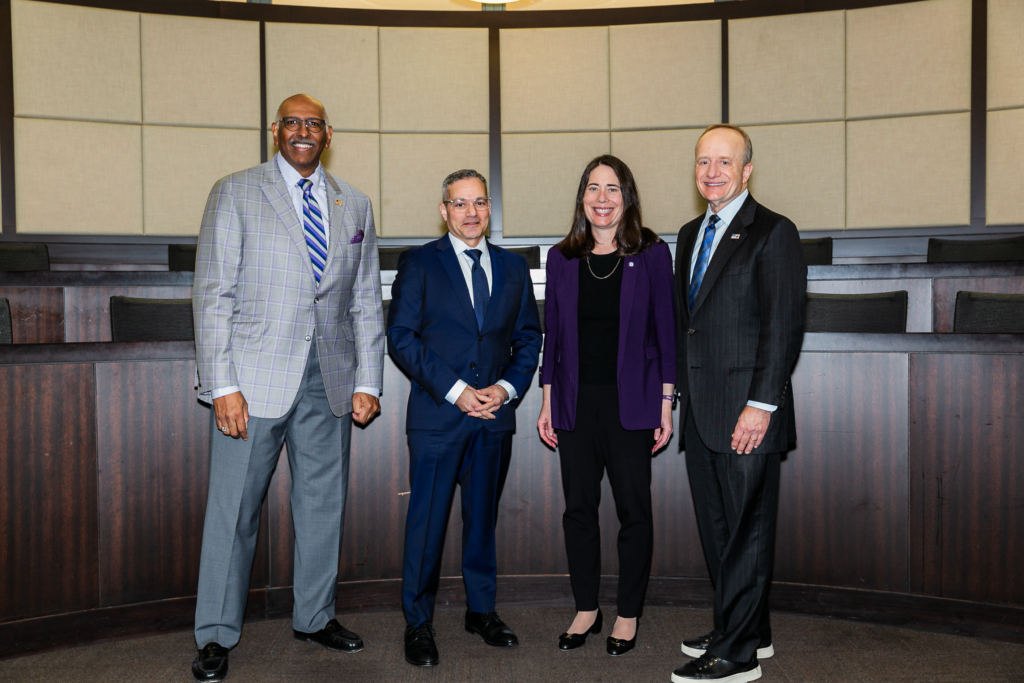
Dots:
(630, 264)
(734, 236)
(337, 202)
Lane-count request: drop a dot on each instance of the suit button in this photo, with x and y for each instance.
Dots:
(690, 331)
(472, 366)
(316, 300)
(307, 337)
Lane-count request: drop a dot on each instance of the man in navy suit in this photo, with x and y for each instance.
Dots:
(463, 324)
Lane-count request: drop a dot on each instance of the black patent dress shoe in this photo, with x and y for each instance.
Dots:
(571, 641)
(695, 647)
(333, 636)
(420, 649)
(210, 664)
(618, 647)
(490, 626)
(710, 668)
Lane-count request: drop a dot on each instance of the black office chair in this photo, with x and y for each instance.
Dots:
(965, 251)
(386, 304)
(181, 257)
(389, 257)
(6, 334)
(980, 313)
(540, 310)
(817, 252)
(150, 319)
(21, 257)
(532, 255)
(885, 312)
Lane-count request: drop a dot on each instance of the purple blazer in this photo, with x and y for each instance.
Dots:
(647, 337)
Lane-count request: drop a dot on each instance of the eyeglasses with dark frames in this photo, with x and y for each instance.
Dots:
(293, 123)
(481, 203)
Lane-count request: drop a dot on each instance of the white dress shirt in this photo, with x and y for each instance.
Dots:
(725, 217)
(466, 263)
(291, 181)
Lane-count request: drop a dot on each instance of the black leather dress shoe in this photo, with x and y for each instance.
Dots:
(695, 647)
(618, 647)
(571, 641)
(333, 636)
(420, 649)
(710, 668)
(492, 628)
(211, 664)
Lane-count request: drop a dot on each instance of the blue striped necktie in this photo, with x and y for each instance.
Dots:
(481, 295)
(313, 228)
(703, 258)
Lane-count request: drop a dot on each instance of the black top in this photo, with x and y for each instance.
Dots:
(598, 319)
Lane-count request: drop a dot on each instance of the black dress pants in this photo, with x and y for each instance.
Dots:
(599, 442)
(736, 498)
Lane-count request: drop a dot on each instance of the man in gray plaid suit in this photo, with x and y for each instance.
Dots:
(289, 342)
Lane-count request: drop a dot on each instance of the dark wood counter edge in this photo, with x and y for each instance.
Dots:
(99, 278)
(956, 617)
(118, 352)
(895, 271)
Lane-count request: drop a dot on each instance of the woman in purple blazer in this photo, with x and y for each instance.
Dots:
(608, 375)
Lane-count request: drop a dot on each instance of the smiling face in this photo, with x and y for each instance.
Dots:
(603, 204)
(470, 224)
(301, 148)
(721, 174)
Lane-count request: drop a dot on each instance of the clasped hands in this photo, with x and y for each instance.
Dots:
(232, 413)
(482, 403)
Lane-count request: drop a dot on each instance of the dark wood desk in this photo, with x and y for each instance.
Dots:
(901, 504)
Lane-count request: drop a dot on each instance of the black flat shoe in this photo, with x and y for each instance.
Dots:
(618, 647)
(333, 636)
(571, 641)
(211, 664)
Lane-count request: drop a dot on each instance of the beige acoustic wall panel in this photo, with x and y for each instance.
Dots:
(1005, 54)
(909, 172)
(75, 62)
(662, 163)
(913, 58)
(1004, 174)
(666, 75)
(788, 69)
(540, 176)
(412, 170)
(335, 64)
(200, 72)
(180, 166)
(800, 172)
(554, 79)
(105, 159)
(434, 80)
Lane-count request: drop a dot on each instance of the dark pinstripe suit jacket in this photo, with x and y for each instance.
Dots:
(742, 338)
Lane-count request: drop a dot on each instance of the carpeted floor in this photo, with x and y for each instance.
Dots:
(808, 650)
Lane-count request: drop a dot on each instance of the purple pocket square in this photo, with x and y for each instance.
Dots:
(357, 238)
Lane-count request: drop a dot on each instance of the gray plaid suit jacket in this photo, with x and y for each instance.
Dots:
(257, 306)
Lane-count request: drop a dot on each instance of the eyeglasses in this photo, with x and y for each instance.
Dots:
(460, 205)
(293, 123)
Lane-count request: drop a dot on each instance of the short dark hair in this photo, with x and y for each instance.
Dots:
(748, 149)
(456, 177)
(631, 238)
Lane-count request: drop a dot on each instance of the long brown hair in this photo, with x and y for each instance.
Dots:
(631, 237)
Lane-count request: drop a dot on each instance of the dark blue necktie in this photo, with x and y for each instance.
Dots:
(702, 259)
(481, 295)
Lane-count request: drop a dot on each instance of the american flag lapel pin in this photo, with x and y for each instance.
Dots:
(734, 236)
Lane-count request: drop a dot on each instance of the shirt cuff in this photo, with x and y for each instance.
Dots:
(372, 391)
(453, 394)
(762, 406)
(512, 395)
(217, 393)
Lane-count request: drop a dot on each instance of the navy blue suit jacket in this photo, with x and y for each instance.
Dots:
(433, 334)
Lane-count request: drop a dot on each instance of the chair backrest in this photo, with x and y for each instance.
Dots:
(885, 312)
(6, 333)
(532, 254)
(181, 257)
(817, 252)
(150, 319)
(16, 257)
(540, 311)
(980, 313)
(389, 257)
(964, 251)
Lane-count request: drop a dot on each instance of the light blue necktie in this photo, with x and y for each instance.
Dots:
(313, 227)
(481, 295)
(702, 259)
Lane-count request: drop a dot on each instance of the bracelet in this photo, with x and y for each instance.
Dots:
(668, 397)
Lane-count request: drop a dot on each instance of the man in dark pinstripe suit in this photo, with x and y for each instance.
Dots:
(741, 283)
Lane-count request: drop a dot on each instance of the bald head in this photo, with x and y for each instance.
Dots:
(302, 132)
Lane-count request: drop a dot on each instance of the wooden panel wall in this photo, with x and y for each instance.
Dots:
(48, 511)
(37, 314)
(945, 289)
(87, 309)
(967, 475)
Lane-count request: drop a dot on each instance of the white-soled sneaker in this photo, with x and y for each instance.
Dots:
(695, 647)
(710, 668)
